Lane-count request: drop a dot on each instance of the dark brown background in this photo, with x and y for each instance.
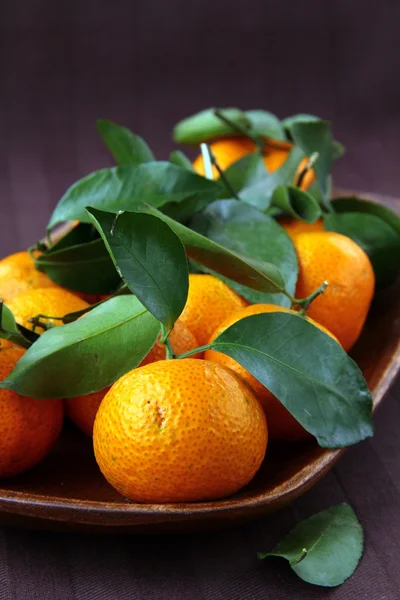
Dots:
(146, 66)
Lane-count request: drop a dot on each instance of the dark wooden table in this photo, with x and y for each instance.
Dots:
(147, 65)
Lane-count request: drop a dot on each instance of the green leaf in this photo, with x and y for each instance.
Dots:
(126, 147)
(243, 174)
(378, 239)
(266, 124)
(296, 202)
(324, 549)
(256, 275)
(181, 160)
(316, 136)
(150, 258)
(10, 330)
(85, 268)
(288, 122)
(252, 234)
(307, 370)
(79, 234)
(315, 191)
(254, 184)
(205, 126)
(87, 355)
(354, 204)
(125, 188)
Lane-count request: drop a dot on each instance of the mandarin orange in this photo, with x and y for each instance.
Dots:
(335, 258)
(179, 431)
(28, 428)
(210, 301)
(52, 302)
(18, 274)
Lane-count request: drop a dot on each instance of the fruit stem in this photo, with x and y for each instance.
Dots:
(310, 163)
(239, 129)
(36, 322)
(221, 173)
(194, 351)
(40, 246)
(305, 302)
(207, 161)
(169, 353)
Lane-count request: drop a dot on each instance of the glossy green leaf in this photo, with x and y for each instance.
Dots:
(10, 330)
(125, 188)
(85, 268)
(254, 185)
(243, 174)
(360, 205)
(87, 355)
(307, 370)
(126, 147)
(266, 124)
(257, 275)
(378, 239)
(79, 234)
(180, 159)
(324, 549)
(315, 136)
(205, 126)
(250, 233)
(150, 258)
(296, 202)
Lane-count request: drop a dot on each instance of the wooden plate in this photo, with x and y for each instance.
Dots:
(67, 490)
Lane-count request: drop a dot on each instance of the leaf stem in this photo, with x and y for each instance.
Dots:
(310, 163)
(207, 161)
(239, 129)
(305, 302)
(36, 321)
(194, 351)
(169, 352)
(221, 173)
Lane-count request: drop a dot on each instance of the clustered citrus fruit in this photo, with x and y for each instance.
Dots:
(192, 429)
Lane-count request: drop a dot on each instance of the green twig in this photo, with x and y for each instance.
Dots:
(169, 352)
(304, 303)
(222, 174)
(195, 351)
(239, 129)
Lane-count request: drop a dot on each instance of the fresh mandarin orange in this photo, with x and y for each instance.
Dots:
(210, 301)
(82, 410)
(28, 428)
(295, 226)
(335, 258)
(179, 431)
(54, 302)
(230, 149)
(281, 424)
(18, 274)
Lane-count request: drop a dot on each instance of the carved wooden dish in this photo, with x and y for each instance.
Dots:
(67, 491)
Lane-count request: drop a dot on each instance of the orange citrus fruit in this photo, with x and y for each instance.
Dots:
(28, 428)
(281, 424)
(210, 301)
(294, 226)
(82, 410)
(18, 274)
(53, 302)
(179, 431)
(335, 258)
(230, 149)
